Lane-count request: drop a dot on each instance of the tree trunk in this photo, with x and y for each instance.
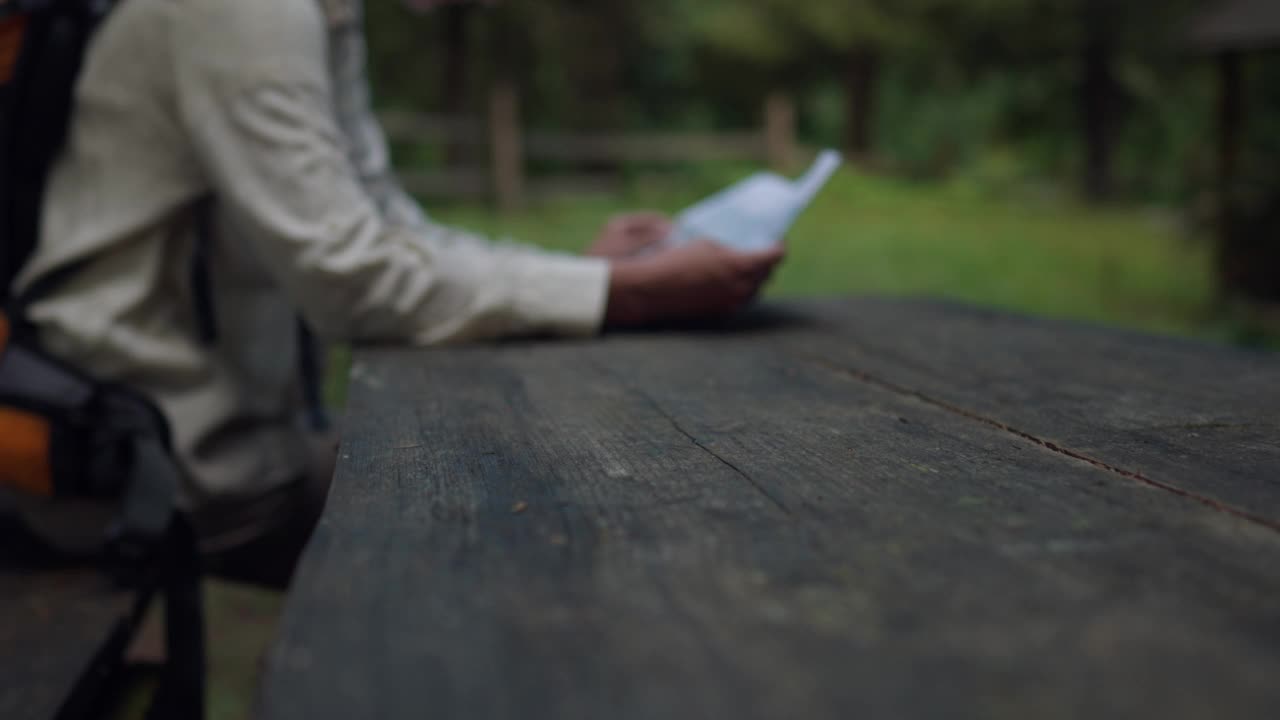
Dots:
(861, 72)
(506, 147)
(1097, 100)
(597, 73)
(780, 131)
(456, 71)
(1230, 118)
(1237, 266)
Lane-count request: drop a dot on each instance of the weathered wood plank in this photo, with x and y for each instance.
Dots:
(716, 525)
(1193, 417)
(53, 625)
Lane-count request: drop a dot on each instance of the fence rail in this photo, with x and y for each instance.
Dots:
(510, 147)
(655, 148)
(432, 127)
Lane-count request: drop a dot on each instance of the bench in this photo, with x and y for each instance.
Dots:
(65, 628)
(833, 509)
(62, 634)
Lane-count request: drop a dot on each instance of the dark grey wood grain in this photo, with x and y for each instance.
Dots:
(53, 627)
(731, 524)
(1192, 417)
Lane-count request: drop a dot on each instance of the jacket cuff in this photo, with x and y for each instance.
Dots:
(563, 294)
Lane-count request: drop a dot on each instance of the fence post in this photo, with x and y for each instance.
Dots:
(505, 147)
(780, 131)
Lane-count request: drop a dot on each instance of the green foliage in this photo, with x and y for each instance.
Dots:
(781, 32)
(745, 30)
(958, 79)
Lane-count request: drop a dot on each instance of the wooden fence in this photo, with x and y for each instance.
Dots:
(509, 148)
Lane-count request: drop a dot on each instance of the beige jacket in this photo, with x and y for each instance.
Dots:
(262, 106)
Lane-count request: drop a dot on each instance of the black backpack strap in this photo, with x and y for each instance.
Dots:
(311, 370)
(310, 363)
(148, 504)
(16, 306)
(181, 693)
(154, 545)
(201, 280)
(35, 108)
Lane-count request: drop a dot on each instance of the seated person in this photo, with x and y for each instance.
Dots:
(224, 173)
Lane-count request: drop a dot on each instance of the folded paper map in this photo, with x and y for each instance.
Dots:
(756, 213)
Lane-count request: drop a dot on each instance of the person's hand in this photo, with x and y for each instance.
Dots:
(630, 234)
(700, 280)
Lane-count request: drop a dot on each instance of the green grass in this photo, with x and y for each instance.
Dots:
(866, 234)
(1022, 251)
(241, 624)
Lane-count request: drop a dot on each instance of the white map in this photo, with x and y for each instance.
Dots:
(756, 213)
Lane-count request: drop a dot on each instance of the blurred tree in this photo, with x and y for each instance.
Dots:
(1097, 89)
(786, 40)
(1118, 52)
(455, 35)
(574, 59)
(454, 32)
(1097, 93)
(851, 40)
(1242, 37)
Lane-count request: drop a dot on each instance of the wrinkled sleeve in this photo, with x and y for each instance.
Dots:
(255, 91)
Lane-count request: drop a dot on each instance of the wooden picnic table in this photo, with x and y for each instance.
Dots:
(829, 509)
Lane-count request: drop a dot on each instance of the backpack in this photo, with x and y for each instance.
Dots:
(86, 468)
(42, 45)
(65, 439)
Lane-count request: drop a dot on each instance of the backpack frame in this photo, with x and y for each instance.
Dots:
(66, 438)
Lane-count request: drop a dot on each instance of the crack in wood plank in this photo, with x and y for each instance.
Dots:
(1205, 426)
(1212, 503)
(638, 392)
(702, 446)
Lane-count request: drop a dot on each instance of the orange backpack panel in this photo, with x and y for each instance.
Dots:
(25, 443)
